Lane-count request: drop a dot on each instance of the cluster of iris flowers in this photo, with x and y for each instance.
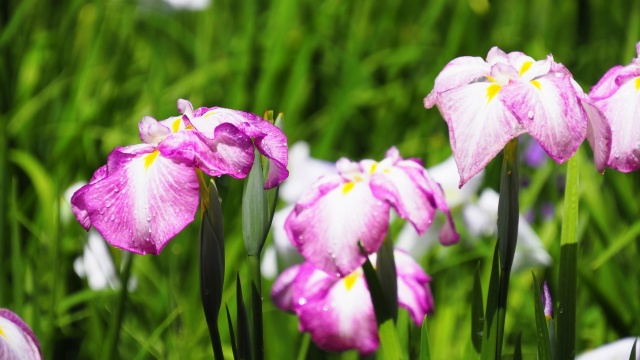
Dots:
(147, 193)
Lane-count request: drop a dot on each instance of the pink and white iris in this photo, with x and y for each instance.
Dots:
(147, 193)
(340, 211)
(617, 95)
(488, 103)
(17, 341)
(338, 312)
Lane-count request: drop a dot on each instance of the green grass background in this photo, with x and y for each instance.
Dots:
(77, 76)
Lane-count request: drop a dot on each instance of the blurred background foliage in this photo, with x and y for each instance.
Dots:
(350, 76)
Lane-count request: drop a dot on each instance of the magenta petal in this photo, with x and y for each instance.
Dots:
(608, 85)
(151, 131)
(82, 214)
(338, 315)
(459, 71)
(550, 111)
(598, 134)
(328, 223)
(414, 293)
(144, 201)
(405, 188)
(479, 126)
(17, 341)
(282, 290)
(229, 152)
(622, 109)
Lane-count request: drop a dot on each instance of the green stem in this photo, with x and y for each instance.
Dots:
(256, 306)
(508, 217)
(566, 343)
(111, 342)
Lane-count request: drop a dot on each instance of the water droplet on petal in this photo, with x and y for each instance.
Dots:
(302, 301)
(530, 114)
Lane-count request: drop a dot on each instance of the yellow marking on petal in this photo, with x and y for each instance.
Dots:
(189, 127)
(348, 187)
(209, 113)
(491, 79)
(176, 125)
(638, 83)
(358, 178)
(373, 168)
(492, 90)
(148, 159)
(2, 333)
(350, 280)
(525, 67)
(536, 83)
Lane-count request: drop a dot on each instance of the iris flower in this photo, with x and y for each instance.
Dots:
(617, 95)
(17, 341)
(340, 211)
(488, 103)
(338, 312)
(147, 193)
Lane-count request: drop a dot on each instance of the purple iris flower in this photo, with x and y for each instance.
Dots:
(337, 310)
(617, 95)
(488, 103)
(17, 341)
(147, 193)
(340, 211)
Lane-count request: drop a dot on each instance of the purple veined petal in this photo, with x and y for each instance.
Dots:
(328, 227)
(495, 55)
(607, 85)
(527, 67)
(598, 134)
(480, 123)
(448, 234)
(282, 290)
(229, 152)
(144, 201)
(414, 293)
(550, 111)
(17, 341)
(151, 131)
(405, 188)
(82, 214)
(185, 108)
(459, 71)
(622, 109)
(337, 312)
(269, 140)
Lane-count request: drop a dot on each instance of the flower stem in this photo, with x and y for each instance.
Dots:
(508, 216)
(566, 342)
(256, 306)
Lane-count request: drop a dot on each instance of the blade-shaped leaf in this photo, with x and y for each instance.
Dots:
(255, 211)
(489, 335)
(477, 312)
(425, 352)
(386, 271)
(517, 351)
(242, 322)
(232, 335)
(632, 356)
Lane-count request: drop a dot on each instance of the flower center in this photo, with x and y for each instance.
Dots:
(492, 90)
(150, 158)
(350, 280)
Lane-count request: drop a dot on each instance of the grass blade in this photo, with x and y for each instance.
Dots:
(425, 352)
(477, 315)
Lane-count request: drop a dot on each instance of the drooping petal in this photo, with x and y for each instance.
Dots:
(228, 152)
(337, 312)
(17, 341)
(550, 111)
(459, 71)
(598, 134)
(327, 225)
(414, 293)
(82, 214)
(269, 140)
(479, 125)
(144, 201)
(608, 84)
(446, 174)
(96, 264)
(622, 109)
(185, 107)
